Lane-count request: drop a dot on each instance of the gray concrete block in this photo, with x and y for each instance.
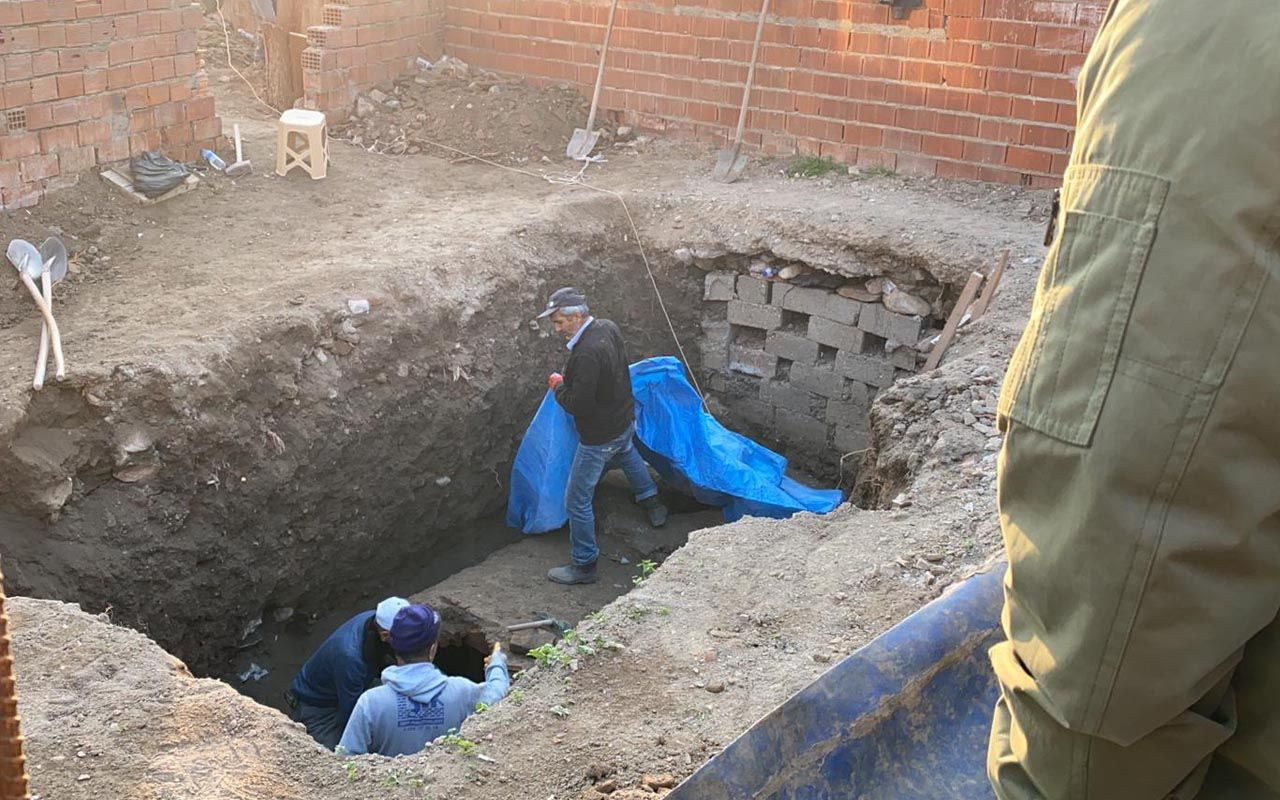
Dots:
(800, 429)
(821, 380)
(749, 361)
(902, 328)
(754, 315)
(792, 347)
(850, 439)
(749, 413)
(799, 298)
(874, 319)
(868, 369)
(817, 302)
(753, 290)
(841, 309)
(837, 335)
(904, 358)
(715, 355)
(783, 395)
(852, 412)
(715, 330)
(719, 285)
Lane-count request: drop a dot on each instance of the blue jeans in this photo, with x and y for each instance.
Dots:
(590, 462)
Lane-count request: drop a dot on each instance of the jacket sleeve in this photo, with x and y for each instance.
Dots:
(496, 682)
(356, 739)
(350, 685)
(578, 392)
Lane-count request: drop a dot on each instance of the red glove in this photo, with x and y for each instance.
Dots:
(554, 380)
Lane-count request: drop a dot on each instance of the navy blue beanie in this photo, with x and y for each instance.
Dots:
(415, 628)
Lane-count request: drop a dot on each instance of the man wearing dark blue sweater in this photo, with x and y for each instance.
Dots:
(350, 661)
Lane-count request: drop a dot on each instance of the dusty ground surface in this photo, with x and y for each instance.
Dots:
(231, 439)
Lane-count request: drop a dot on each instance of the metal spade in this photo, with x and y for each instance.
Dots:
(53, 254)
(25, 258)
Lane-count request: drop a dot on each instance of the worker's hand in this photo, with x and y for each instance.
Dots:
(497, 648)
(554, 380)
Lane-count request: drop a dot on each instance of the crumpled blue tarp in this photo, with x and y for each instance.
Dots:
(686, 445)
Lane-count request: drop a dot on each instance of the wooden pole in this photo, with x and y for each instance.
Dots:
(953, 321)
(993, 283)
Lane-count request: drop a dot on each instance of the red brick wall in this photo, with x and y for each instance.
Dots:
(978, 89)
(366, 42)
(88, 82)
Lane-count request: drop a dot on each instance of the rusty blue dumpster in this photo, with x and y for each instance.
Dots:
(904, 718)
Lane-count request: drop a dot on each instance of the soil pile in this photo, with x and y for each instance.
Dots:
(472, 110)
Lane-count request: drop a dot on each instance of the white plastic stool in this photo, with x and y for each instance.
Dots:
(312, 151)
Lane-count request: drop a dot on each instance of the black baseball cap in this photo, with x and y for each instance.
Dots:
(563, 298)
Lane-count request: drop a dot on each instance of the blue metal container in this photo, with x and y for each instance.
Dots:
(904, 718)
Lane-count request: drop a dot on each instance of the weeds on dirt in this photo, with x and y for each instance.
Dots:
(548, 656)
(464, 746)
(390, 781)
(353, 772)
(646, 569)
(516, 696)
(560, 711)
(879, 171)
(812, 167)
(482, 707)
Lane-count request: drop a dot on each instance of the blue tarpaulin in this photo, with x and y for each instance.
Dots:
(687, 446)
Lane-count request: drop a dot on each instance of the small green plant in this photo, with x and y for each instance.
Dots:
(390, 781)
(516, 696)
(812, 166)
(482, 707)
(879, 171)
(664, 612)
(353, 772)
(560, 711)
(646, 569)
(464, 746)
(549, 655)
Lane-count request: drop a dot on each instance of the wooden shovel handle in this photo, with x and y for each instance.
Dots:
(60, 369)
(42, 358)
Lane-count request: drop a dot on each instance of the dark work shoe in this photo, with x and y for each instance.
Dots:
(656, 510)
(571, 574)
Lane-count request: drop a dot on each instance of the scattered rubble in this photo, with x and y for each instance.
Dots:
(469, 110)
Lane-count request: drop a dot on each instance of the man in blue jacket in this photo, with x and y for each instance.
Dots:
(327, 687)
(416, 702)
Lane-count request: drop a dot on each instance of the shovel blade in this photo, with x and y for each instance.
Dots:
(729, 165)
(581, 143)
(239, 168)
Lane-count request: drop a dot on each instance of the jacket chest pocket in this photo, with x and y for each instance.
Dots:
(1062, 369)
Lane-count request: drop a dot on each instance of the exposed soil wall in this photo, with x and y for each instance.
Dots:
(306, 459)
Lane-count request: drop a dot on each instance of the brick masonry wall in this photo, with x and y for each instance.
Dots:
(89, 82)
(366, 42)
(973, 89)
(800, 366)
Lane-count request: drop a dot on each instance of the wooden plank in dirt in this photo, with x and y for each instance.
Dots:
(993, 283)
(123, 182)
(281, 89)
(953, 321)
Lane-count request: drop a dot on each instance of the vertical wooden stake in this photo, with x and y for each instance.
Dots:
(953, 321)
(993, 283)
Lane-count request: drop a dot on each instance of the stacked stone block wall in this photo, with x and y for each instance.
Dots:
(797, 366)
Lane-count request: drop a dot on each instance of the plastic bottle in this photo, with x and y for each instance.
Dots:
(214, 161)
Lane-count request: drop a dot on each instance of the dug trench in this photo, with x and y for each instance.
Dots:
(238, 514)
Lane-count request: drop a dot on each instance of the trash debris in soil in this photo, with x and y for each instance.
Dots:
(253, 673)
(473, 110)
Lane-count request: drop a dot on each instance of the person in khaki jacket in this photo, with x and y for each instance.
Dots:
(1139, 483)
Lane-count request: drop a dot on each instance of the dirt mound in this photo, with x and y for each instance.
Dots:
(471, 110)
